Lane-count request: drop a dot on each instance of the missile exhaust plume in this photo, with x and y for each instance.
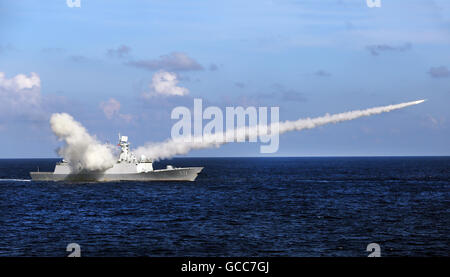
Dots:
(173, 147)
(82, 151)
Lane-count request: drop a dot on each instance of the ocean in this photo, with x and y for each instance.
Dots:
(237, 207)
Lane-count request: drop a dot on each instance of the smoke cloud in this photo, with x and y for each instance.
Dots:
(82, 151)
(173, 147)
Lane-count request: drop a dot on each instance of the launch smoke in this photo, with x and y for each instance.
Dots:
(180, 146)
(84, 152)
(81, 150)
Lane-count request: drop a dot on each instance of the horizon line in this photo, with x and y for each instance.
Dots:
(307, 156)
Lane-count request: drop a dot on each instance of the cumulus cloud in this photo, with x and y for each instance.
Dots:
(175, 61)
(120, 52)
(111, 109)
(20, 81)
(377, 49)
(22, 101)
(20, 94)
(165, 84)
(439, 72)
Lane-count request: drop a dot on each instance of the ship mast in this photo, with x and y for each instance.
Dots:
(125, 153)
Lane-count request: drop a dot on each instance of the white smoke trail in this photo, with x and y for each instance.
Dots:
(82, 151)
(173, 147)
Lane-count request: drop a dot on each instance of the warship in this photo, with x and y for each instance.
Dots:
(126, 168)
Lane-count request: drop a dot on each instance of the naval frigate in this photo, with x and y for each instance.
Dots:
(126, 168)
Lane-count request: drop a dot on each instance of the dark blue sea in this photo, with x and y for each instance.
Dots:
(236, 207)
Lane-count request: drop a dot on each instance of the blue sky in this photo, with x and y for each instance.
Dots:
(309, 58)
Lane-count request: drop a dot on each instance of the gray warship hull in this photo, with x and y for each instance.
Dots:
(126, 168)
(175, 174)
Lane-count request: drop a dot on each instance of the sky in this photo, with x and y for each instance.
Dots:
(123, 66)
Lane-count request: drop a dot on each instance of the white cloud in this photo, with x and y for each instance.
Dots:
(165, 83)
(111, 108)
(20, 81)
(20, 94)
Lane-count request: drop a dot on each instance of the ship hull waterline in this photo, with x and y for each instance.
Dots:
(176, 174)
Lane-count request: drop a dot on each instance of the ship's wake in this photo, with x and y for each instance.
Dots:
(15, 180)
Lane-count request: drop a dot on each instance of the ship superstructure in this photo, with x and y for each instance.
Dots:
(127, 168)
